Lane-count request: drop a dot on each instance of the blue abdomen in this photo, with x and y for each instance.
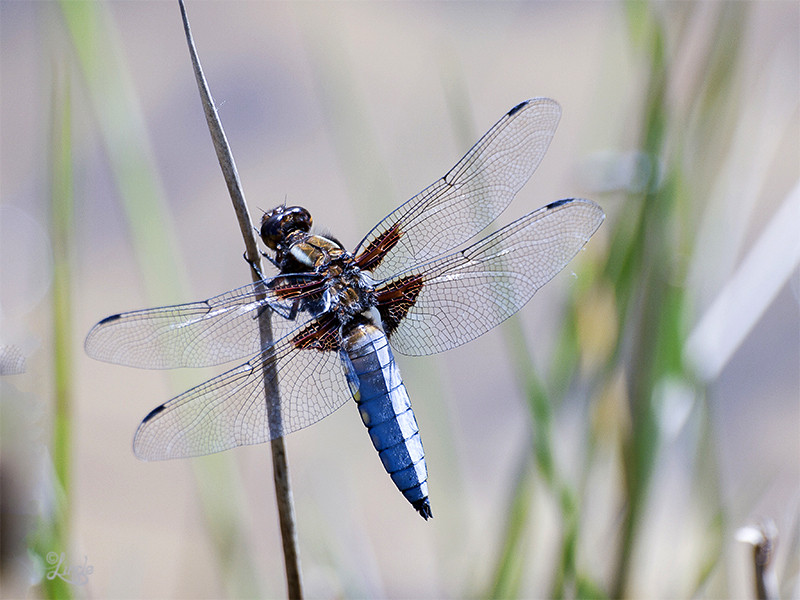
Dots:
(385, 409)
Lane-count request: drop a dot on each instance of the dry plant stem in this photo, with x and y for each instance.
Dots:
(280, 467)
(762, 556)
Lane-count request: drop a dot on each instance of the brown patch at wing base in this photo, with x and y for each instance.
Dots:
(287, 288)
(372, 256)
(322, 335)
(396, 299)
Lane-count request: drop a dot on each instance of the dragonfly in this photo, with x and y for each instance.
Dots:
(413, 285)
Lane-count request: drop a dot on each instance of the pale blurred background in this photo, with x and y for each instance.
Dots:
(647, 395)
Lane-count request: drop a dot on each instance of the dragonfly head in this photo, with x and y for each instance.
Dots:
(281, 221)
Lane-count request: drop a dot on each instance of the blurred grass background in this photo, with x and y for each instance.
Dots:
(606, 442)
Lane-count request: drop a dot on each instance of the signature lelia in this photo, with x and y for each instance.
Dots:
(76, 574)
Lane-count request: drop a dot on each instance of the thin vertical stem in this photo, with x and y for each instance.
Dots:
(280, 466)
(54, 534)
(62, 322)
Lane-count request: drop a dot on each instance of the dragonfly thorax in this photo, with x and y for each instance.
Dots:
(347, 292)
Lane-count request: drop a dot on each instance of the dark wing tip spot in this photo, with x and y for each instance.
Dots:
(152, 414)
(518, 108)
(110, 319)
(423, 507)
(558, 203)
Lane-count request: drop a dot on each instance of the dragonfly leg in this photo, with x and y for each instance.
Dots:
(289, 315)
(256, 268)
(254, 265)
(270, 259)
(295, 309)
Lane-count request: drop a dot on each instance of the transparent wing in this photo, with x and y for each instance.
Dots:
(12, 360)
(465, 294)
(197, 334)
(231, 410)
(468, 198)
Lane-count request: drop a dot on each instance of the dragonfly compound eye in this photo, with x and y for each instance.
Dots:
(281, 221)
